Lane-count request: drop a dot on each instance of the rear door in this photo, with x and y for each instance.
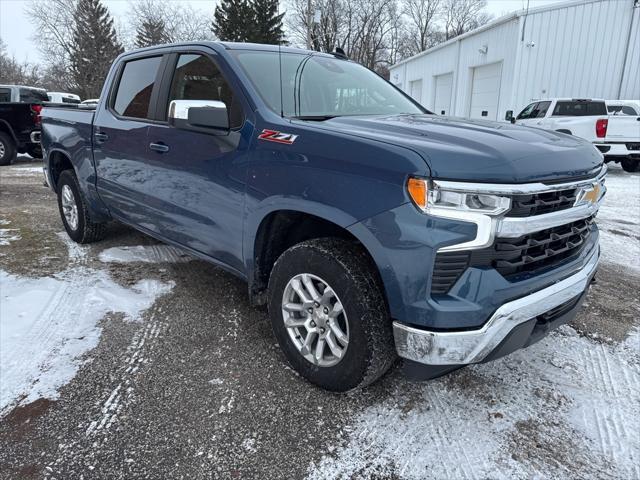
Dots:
(200, 201)
(120, 144)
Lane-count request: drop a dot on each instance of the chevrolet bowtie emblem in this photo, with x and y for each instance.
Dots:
(592, 195)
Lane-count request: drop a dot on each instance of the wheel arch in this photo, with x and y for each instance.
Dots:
(281, 228)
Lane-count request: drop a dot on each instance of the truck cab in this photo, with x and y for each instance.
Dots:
(370, 228)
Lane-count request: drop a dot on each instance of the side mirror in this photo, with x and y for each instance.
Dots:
(509, 116)
(513, 119)
(199, 115)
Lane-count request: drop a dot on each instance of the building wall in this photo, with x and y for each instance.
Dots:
(579, 52)
(572, 50)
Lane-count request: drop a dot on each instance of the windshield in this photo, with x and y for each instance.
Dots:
(319, 86)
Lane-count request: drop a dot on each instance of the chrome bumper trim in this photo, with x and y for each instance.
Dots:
(472, 346)
(35, 137)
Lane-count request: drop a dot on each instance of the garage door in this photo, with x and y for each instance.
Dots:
(415, 90)
(442, 103)
(485, 91)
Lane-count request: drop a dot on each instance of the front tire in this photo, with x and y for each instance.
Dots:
(328, 313)
(8, 151)
(74, 212)
(630, 165)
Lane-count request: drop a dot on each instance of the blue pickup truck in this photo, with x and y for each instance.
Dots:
(371, 228)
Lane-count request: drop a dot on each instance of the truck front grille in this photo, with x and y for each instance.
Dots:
(540, 203)
(513, 256)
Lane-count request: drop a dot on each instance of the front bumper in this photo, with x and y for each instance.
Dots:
(451, 349)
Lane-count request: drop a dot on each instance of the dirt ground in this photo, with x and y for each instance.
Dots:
(191, 384)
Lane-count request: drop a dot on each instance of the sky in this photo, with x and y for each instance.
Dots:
(16, 30)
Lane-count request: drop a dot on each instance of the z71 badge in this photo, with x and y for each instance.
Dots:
(278, 137)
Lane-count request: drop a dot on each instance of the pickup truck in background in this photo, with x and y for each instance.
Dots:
(370, 228)
(20, 109)
(584, 118)
(616, 136)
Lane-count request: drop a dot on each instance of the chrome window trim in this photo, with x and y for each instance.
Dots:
(472, 346)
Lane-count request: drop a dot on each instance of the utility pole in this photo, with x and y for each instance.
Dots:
(309, 24)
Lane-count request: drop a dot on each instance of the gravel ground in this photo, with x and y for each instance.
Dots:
(157, 367)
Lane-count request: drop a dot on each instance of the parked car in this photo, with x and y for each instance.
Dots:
(62, 97)
(20, 109)
(368, 226)
(583, 118)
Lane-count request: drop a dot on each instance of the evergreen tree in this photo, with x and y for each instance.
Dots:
(95, 46)
(233, 21)
(267, 22)
(151, 32)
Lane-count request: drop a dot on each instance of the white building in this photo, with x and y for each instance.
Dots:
(578, 49)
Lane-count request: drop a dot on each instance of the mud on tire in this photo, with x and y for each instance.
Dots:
(351, 274)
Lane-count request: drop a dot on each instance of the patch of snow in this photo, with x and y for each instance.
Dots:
(249, 444)
(563, 406)
(144, 253)
(47, 324)
(619, 220)
(8, 235)
(25, 171)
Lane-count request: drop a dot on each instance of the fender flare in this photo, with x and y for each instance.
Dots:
(12, 134)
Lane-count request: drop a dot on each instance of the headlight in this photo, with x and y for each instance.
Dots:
(431, 198)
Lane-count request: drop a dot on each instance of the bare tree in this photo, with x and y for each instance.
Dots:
(422, 16)
(14, 72)
(182, 23)
(460, 16)
(55, 23)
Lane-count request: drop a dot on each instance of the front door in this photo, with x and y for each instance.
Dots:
(200, 201)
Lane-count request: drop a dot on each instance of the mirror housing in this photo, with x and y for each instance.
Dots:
(509, 116)
(200, 115)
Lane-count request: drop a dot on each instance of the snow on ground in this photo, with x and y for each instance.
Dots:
(47, 324)
(566, 397)
(160, 253)
(8, 235)
(619, 220)
(25, 171)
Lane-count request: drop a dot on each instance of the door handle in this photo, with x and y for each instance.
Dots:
(101, 137)
(159, 147)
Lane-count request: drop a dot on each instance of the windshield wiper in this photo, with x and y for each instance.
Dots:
(315, 118)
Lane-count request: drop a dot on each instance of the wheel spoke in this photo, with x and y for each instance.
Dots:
(337, 310)
(337, 331)
(293, 307)
(308, 284)
(294, 322)
(319, 350)
(297, 287)
(306, 346)
(333, 346)
(327, 295)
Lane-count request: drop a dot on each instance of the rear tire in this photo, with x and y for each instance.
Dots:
(343, 273)
(8, 151)
(75, 215)
(630, 165)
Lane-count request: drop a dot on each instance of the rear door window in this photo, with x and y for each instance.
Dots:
(541, 109)
(5, 95)
(579, 109)
(133, 97)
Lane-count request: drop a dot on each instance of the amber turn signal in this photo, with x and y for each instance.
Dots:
(417, 189)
